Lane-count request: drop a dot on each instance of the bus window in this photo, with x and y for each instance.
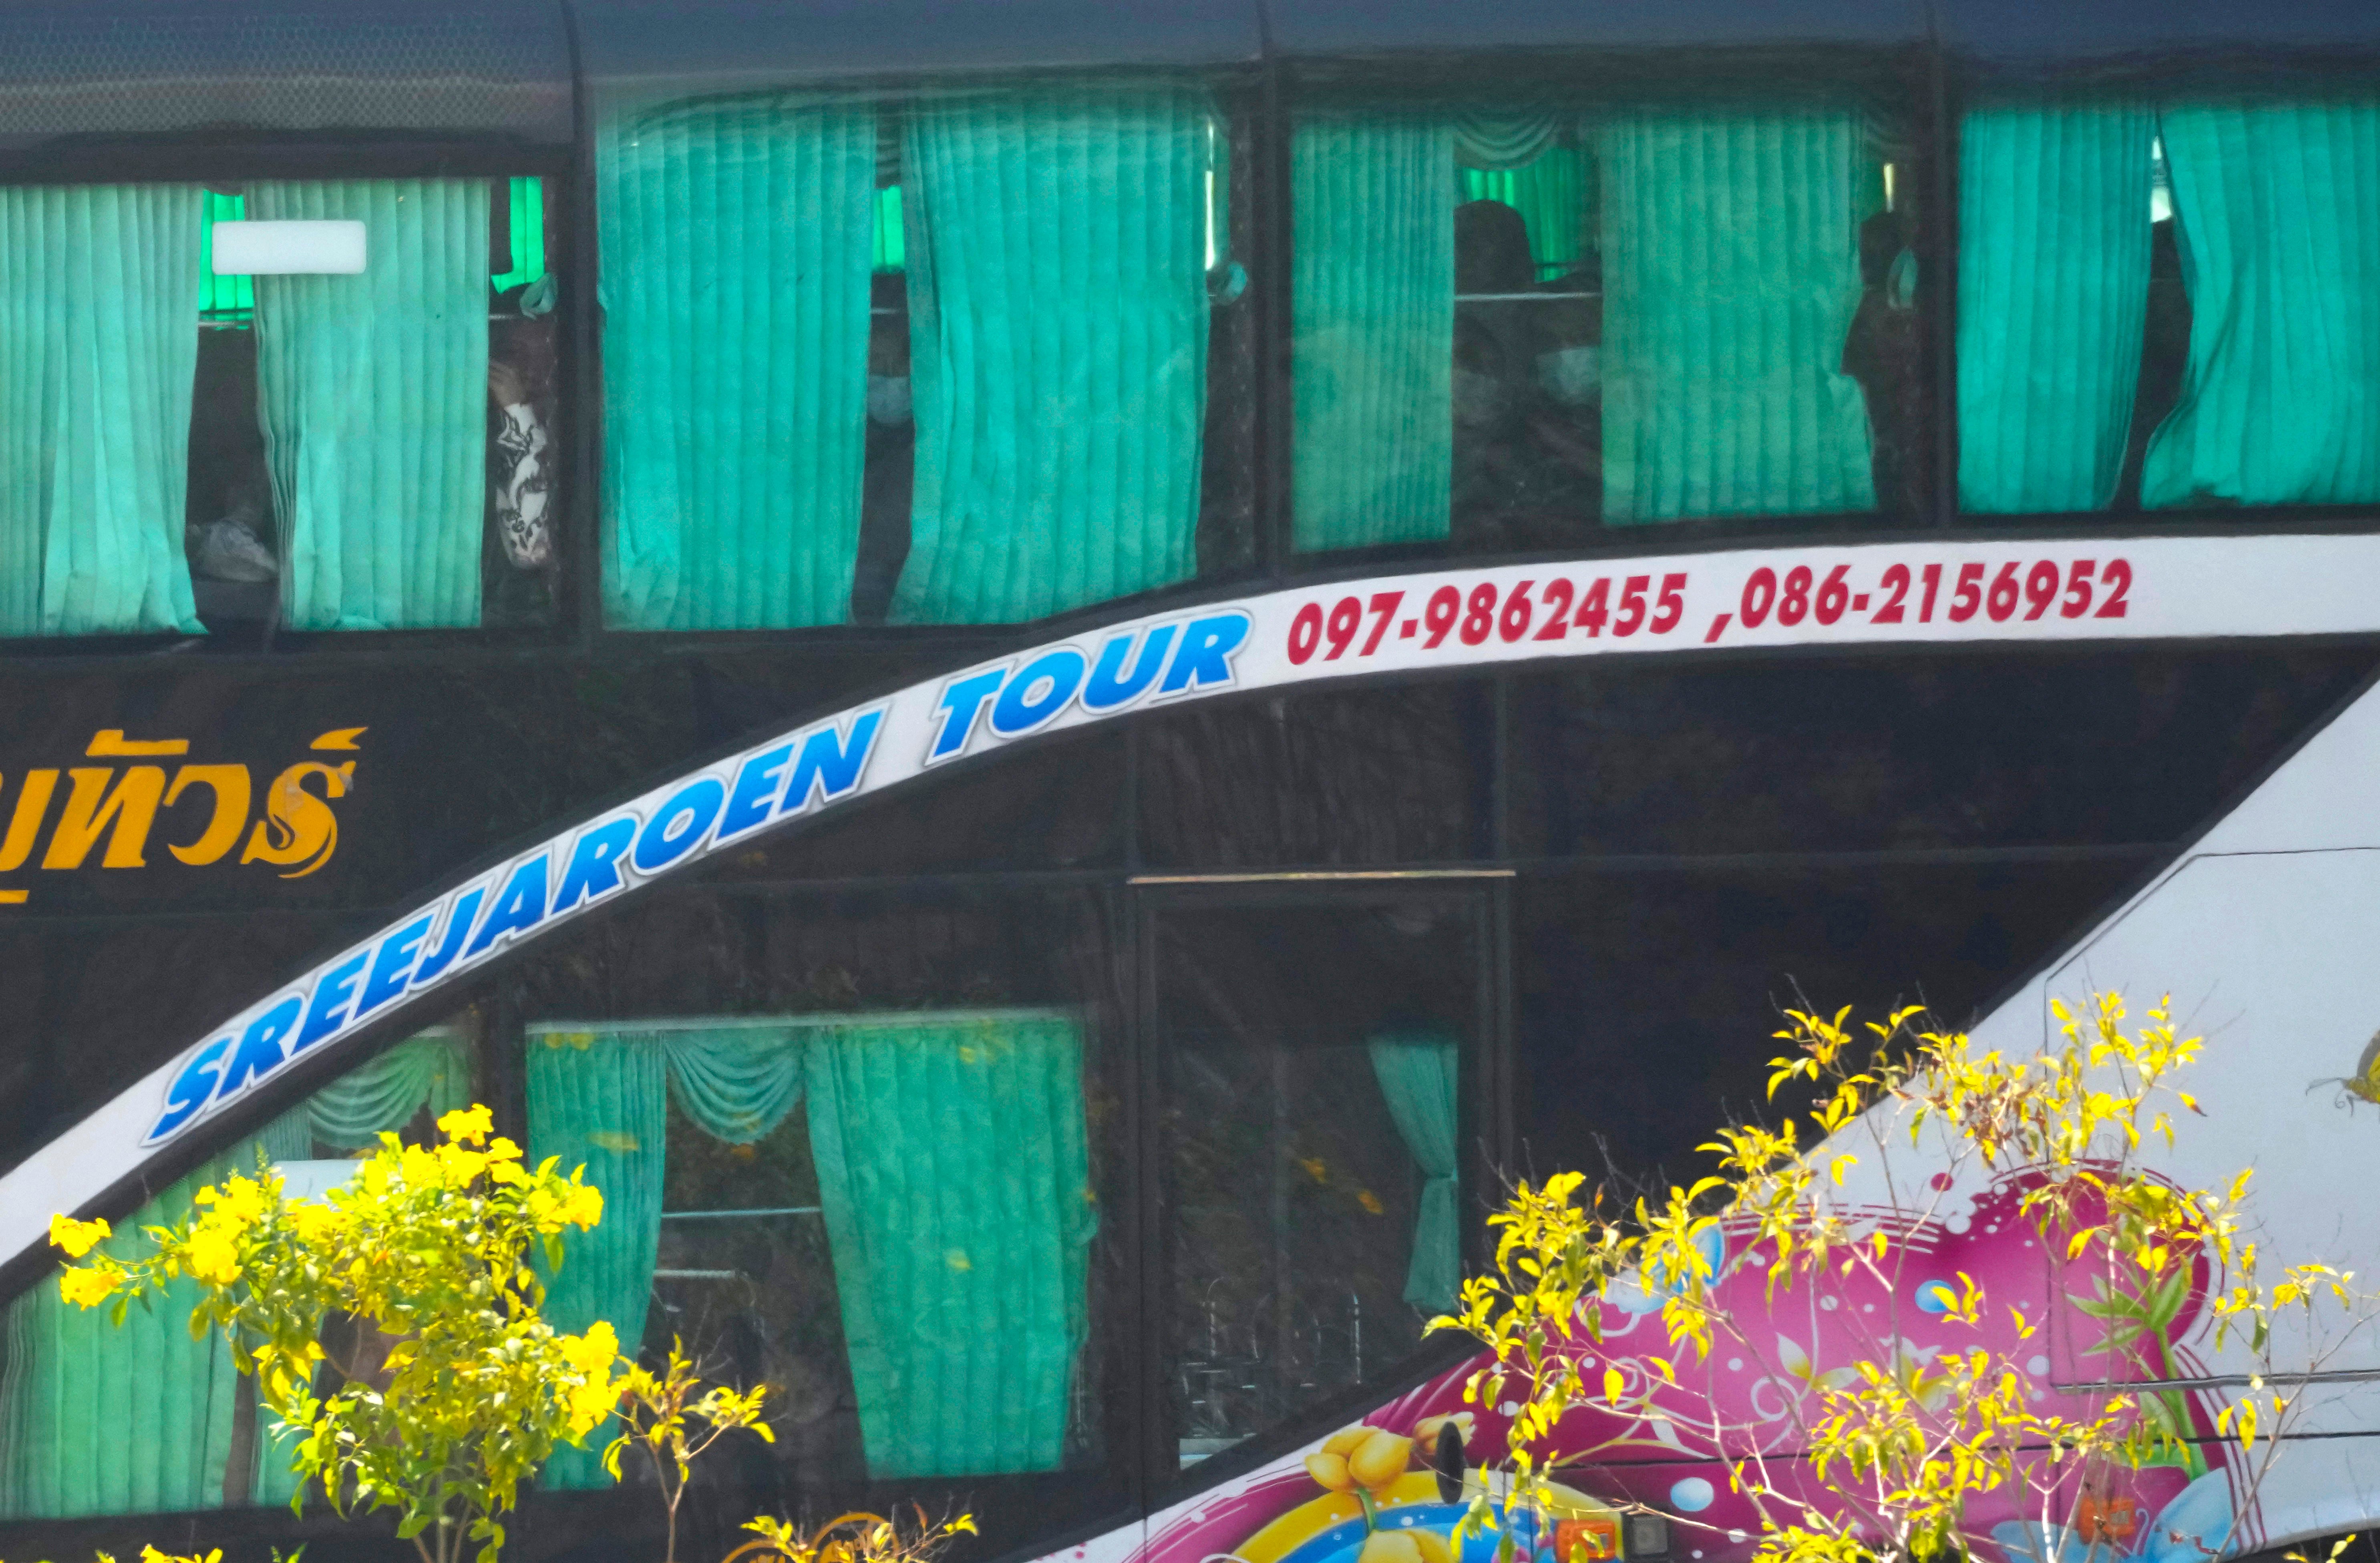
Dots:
(2163, 303)
(1312, 1058)
(1514, 325)
(858, 1149)
(936, 359)
(140, 1418)
(212, 430)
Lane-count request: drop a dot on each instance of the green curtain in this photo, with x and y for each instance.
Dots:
(2276, 207)
(95, 1419)
(382, 1096)
(1372, 331)
(736, 1078)
(1417, 1072)
(602, 1101)
(100, 347)
(2053, 294)
(373, 394)
(1056, 249)
(1731, 273)
(954, 1167)
(1551, 193)
(736, 240)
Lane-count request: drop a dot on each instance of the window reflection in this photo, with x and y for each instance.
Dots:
(1314, 1136)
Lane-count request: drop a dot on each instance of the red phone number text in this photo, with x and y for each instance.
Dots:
(1556, 608)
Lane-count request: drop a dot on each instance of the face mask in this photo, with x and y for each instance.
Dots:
(1478, 398)
(888, 399)
(1573, 375)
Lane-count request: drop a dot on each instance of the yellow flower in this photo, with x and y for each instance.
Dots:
(594, 1350)
(239, 1200)
(507, 1173)
(78, 1238)
(420, 1169)
(461, 1166)
(314, 1220)
(85, 1289)
(467, 1126)
(501, 1149)
(213, 1255)
(585, 1205)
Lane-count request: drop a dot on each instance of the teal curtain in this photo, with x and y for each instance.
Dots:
(100, 345)
(1731, 273)
(1417, 1072)
(2276, 207)
(738, 1078)
(1056, 249)
(95, 1419)
(352, 1112)
(1372, 331)
(373, 394)
(600, 1101)
(735, 243)
(2052, 296)
(1550, 194)
(953, 1166)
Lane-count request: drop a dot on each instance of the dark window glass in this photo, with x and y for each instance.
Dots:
(1392, 774)
(1317, 1128)
(2161, 298)
(958, 356)
(1521, 319)
(2104, 748)
(325, 404)
(1649, 1004)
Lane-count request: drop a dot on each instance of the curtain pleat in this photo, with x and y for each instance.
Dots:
(1731, 273)
(2053, 294)
(738, 1080)
(1417, 1074)
(100, 344)
(952, 1163)
(1505, 138)
(1056, 244)
(373, 391)
(735, 243)
(97, 1418)
(2276, 207)
(1372, 331)
(602, 1102)
(383, 1096)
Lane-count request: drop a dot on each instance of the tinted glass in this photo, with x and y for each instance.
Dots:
(1521, 319)
(1347, 778)
(2165, 299)
(2127, 750)
(1315, 1140)
(316, 404)
(958, 356)
(1649, 1004)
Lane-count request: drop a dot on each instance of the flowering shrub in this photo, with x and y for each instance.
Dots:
(427, 1248)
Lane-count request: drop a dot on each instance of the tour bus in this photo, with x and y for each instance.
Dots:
(1056, 679)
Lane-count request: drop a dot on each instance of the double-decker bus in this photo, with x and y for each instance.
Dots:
(1054, 678)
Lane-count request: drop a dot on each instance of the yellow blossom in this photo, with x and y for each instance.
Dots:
(461, 1166)
(78, 1238)
(314, 1220)
(585, 1205)
(85, 1289)
(213, 1255)
(467, 1126)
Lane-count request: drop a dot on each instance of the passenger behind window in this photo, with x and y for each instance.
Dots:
(1649, 323)
(519, 564)
(1880, 353)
